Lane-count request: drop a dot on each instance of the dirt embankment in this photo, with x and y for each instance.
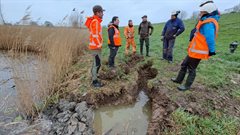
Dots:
(161, 104)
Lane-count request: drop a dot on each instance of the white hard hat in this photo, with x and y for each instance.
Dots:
(175, 12)
(208, 6)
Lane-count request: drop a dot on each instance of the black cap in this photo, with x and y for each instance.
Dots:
(97, 8)
(145, 16)
(129, 20)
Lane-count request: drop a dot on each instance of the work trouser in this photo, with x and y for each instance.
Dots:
(96, 54)
(146, 40)
(191, 65)
(168, 45)
(130, 41)
(113, 53)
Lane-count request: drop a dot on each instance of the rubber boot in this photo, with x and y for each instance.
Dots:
(180, 76)
(189, 81)
(141, 49)
(97, 84)
(147, 52)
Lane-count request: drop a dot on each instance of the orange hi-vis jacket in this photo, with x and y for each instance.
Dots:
(116, 37)
(129, 32)
(95, 29)
(198, 47)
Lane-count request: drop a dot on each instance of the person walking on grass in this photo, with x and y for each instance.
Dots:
(202, 43)
(96, 40)
(129, 35)
(173, 28)
(114, 40)
(145, 30)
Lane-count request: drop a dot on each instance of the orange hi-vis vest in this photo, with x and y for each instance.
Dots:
(95, 29)
(129, 32)
(116, 38)
(198, 47)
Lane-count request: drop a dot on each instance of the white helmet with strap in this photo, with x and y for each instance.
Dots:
(208, 6)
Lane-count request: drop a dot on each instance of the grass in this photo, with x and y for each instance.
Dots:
(216, 124)
(216, 74)
(59, 47)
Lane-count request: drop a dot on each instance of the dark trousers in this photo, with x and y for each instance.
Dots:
(168, 45)
(191, 65)
(113, 53)
(146, 40)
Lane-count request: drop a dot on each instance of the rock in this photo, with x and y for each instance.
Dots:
(46, 126)
(72, 124)
(89, 116)
(81, 126)
(70, 118)
(81, 108)
(64, 116)
(84, 119)
(66, 105)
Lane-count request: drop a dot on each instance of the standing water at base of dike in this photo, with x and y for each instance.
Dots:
(127, 119)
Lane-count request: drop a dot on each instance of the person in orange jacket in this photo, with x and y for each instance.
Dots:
(96, 41)
(129, 35)
(202, 43)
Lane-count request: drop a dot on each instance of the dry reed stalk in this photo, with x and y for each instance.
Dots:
(56, 49)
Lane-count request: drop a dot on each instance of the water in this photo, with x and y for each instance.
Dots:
(24, 68)
(130, 119)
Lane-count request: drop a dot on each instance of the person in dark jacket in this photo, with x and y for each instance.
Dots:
(114, 40)
(173, 28)
(145, 30)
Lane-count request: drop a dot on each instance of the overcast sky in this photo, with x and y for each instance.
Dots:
(55, 10)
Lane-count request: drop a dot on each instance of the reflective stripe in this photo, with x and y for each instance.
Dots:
(95, 36)
(197, 51)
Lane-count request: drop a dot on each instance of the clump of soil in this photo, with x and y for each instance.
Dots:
(162, 108)
(108, 75)
(125, 67)
(145, 73)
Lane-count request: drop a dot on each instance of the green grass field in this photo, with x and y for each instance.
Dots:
(220, 73)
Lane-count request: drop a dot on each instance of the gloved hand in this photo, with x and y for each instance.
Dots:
(162, 38)
(211, 53)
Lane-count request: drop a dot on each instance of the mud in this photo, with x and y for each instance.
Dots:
(126, 67)
(162, 106)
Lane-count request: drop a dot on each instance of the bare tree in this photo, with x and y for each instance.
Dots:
(74, 18)
(1, 15)
(236, 8)
(195, 15)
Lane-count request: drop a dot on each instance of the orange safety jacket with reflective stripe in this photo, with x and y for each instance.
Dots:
(129, 32)
(116, 37)
(95, 29)
(198, 47)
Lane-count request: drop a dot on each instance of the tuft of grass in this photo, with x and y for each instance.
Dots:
(216, 124)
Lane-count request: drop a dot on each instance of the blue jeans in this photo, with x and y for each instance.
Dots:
(168, 49)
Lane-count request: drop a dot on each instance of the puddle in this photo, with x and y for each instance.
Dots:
(130, 119)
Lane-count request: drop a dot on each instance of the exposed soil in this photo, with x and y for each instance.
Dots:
(161, 104)
(164, 101)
